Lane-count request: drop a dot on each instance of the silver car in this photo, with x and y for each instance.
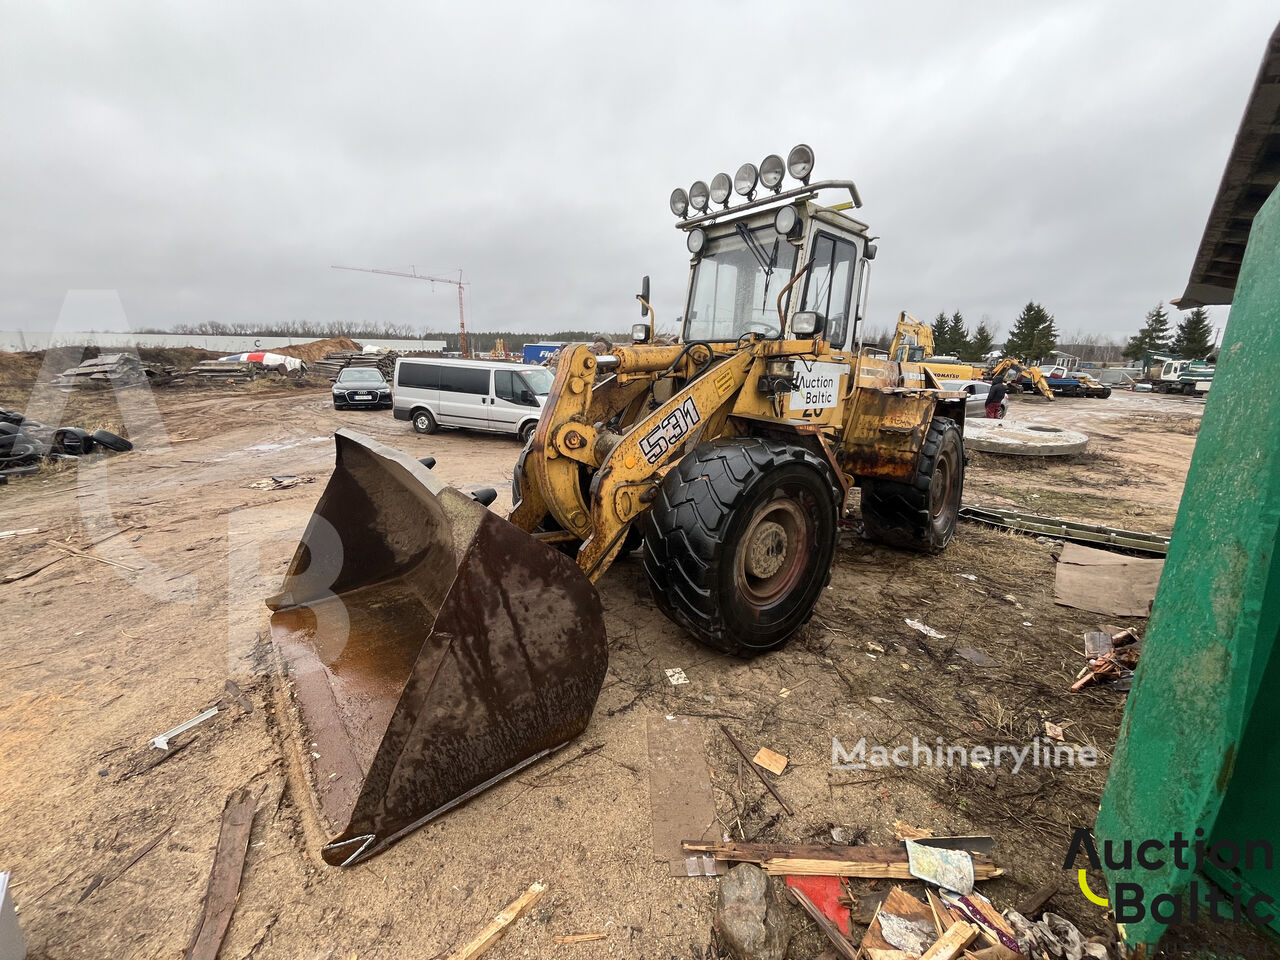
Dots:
(976, 405)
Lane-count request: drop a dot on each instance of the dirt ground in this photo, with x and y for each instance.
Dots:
(110, 856)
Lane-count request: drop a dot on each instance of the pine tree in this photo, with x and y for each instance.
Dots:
(1194, 338)
(1154, 337)
(940, 327)
(1034, 334)
(957, 336)
(1046, 339)
(983, 341)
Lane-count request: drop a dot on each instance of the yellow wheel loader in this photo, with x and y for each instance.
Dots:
(435, 648)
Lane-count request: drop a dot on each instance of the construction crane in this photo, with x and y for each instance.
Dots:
(415, 275)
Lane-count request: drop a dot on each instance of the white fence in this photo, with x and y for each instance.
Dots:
(17, 341)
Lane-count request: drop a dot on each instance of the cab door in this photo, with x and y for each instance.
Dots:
(829, 286)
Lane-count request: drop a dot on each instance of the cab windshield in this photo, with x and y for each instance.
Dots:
(735, 286)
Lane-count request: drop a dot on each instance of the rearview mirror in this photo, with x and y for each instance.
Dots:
(644, 297)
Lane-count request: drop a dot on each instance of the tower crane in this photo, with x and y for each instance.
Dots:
(415, 275)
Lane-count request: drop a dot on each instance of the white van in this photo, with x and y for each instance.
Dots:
(480, 394)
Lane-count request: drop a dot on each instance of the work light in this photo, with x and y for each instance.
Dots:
(697, 241)
(679, 202)
(699, 195)
(771, 171)
(744, 181)
(721, 188)
(800, 162)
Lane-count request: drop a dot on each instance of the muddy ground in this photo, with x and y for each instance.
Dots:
(102, 657)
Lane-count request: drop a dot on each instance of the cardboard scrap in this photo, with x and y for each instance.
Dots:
(1105, 582)
(681, 803)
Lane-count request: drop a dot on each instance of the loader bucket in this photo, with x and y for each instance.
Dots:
(433, 648)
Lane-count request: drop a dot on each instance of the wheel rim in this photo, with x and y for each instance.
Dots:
(422, 422)
(944, 478)
(773, 554)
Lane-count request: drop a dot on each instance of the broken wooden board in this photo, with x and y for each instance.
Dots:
(779, 859)
(224, 877)
(952, 943)
(1103, 582)
(487, 937)
(681, 804)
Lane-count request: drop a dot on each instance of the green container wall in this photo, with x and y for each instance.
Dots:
(1200, 742)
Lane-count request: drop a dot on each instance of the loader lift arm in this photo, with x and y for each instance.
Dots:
(627, 467)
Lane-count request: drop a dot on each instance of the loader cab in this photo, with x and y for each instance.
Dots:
(782, 253)
(741, 268)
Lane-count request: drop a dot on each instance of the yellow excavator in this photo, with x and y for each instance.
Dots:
(435, 648)
(1019, 370)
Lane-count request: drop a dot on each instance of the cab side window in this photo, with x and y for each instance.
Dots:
(829, 287)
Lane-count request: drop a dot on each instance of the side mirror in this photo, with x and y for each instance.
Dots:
(333, 379)
(527, 398)
(870, 253)
(806, 323)
(643, 296)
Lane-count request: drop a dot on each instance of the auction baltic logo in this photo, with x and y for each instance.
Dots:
(1130, 899)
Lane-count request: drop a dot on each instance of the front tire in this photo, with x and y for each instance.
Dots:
(525, 433)
(739, 543)
(424, 422)
(920, 515)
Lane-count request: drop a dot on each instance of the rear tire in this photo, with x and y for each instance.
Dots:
(424, 422)
(526, 432)
(739, 542)
(920, 515)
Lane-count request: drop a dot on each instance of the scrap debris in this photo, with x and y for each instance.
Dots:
(1116, 659)
(12, 944)
(756, 770)
(928, 631)
(676, 676)
(490, 935)
(280, 483)
(161, 742)
(224, 877)
(871, 862)
(771, 760)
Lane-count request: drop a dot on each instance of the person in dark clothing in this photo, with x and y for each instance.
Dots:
(995, 397)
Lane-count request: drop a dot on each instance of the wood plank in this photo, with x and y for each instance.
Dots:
(224, 876)
(771, 760)
(1035, 902)
(952, 943)
(943, 918)
(490, 935)
(814, 860)
(838, 940)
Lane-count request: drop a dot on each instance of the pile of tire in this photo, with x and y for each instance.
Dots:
(24, 443)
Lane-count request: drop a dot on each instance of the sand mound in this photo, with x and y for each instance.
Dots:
(317, 349)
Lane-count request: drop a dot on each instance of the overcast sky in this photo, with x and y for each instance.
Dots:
(211, 160)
